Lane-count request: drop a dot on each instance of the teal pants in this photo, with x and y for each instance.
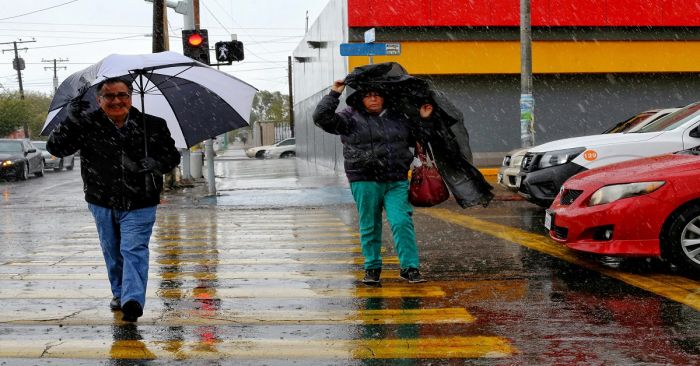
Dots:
(373, 197)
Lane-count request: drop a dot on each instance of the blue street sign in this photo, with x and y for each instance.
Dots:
(370, 49)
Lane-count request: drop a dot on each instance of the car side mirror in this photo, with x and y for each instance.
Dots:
(31, 151)
(695, 132)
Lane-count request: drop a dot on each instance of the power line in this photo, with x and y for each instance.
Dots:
(37, 11)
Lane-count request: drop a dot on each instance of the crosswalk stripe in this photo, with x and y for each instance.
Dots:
(219, 243)
(95, 317)
(439, 347)
(242, 292)
(248, 275)
(206, 262)
(217, 252)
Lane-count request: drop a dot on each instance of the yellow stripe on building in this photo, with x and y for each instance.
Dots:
(548, 57)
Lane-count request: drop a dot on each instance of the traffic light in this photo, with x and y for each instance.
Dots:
(195, 45)
(229, 51)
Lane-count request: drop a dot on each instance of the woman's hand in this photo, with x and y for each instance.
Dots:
(426, 110)
(338, 86)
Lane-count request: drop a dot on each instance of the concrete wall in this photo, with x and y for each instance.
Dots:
(316, 64)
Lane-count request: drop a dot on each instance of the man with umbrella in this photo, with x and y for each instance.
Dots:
(376, 142)
(123, 154)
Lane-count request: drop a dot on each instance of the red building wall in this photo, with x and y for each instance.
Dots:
(602, 13)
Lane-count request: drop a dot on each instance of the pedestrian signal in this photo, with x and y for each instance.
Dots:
(195, 45)
(229, 51)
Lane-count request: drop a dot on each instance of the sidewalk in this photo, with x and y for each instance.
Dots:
(256, 183)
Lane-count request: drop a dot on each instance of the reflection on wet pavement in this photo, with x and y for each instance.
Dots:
(246, 282)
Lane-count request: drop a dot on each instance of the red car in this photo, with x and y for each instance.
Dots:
(647, 207)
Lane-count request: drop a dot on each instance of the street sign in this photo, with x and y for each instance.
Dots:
(393, 49)
(370, 49)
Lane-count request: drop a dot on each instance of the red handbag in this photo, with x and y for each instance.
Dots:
(427, 187)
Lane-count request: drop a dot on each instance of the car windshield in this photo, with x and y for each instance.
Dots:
(10, 146)
(673, 120)
(629, 123)
(40, 145)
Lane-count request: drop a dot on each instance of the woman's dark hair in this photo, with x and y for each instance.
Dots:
(113, 80)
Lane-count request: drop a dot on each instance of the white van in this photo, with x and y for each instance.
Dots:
(546, 167)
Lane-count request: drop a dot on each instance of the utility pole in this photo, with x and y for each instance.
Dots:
(185, 8)
(18, 65)
(160, 29)
(291, 96)
(527, 101)
(55, 68)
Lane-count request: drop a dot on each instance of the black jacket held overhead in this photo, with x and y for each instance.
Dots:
(109, 155)
(375, 146)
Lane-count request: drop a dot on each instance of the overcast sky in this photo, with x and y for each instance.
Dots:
(85, 31)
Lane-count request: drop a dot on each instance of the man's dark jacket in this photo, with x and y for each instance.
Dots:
(375, 146)
(109, 157)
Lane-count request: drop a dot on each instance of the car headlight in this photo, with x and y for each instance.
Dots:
(506, 160)
(558, 157)
(616, 192)
(516, 160)
(7, 163)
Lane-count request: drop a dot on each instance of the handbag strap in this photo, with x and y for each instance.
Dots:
(427, 153)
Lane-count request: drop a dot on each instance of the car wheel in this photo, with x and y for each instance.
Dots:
(59, 166)
(260, 154)
(72, 164)
(288, 154)
(24, 173)
(40, 172)
(684, 239)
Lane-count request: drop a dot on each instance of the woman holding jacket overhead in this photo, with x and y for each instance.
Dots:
(376, 142)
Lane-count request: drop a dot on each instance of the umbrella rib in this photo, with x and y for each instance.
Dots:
(157, 86)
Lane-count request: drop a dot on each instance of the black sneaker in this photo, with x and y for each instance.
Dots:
(372, 276)
(115, 304)
(412, 275)
(132, 311)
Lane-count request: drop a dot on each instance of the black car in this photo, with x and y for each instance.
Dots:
(19, 158)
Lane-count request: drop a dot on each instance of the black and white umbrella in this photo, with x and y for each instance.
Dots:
(197, 101)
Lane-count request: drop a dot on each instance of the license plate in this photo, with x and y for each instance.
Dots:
(548, 218)
(518, 179)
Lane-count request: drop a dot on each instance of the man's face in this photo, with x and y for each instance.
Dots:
(373, 102)
(115, 100)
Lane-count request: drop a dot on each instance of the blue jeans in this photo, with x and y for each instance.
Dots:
(124, 237)
(373, 197)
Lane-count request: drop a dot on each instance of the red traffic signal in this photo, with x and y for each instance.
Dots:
(195, 45)
(195, 39)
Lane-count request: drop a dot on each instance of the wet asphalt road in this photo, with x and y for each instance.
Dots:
(268, 273)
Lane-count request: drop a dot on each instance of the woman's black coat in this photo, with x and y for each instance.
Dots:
(449, 141)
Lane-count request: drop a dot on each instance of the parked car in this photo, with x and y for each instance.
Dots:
(281, 151)
(546, 167)
(19, 158)
(510, 168)
(646, 207)
(259, 151)
(54, 162)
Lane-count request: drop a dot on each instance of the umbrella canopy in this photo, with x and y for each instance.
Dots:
(401, 89)
(197, 101)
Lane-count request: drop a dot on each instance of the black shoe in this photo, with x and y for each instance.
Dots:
(115, 304)
(372, 276)
(412, 275)
(132, 311)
